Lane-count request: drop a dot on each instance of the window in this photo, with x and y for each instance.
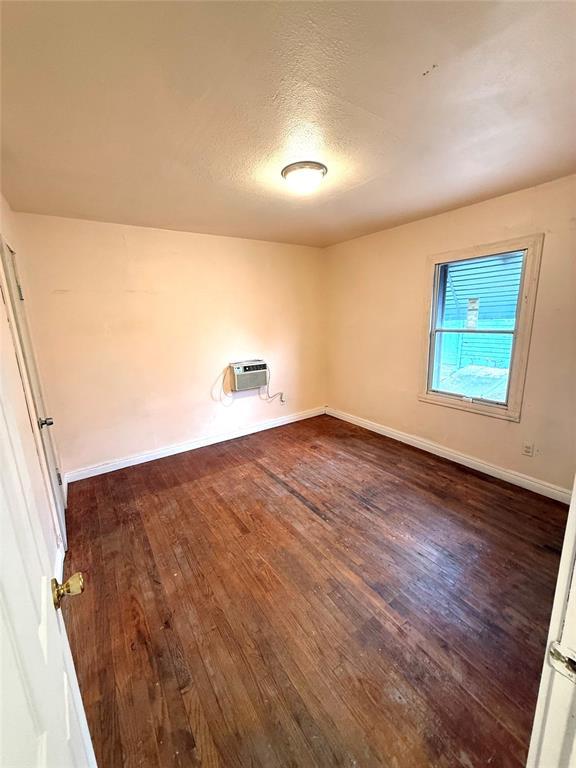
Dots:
(479, 329)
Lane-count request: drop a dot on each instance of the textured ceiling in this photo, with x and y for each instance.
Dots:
(181, 115)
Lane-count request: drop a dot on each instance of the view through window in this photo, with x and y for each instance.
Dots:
(474, 325)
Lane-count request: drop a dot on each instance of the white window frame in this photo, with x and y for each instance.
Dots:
(511, 410)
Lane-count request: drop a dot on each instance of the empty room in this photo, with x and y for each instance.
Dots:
(288, 384)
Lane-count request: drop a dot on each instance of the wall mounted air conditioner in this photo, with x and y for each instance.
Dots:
(248, 374)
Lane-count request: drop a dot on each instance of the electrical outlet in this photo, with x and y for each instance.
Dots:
(528, 449)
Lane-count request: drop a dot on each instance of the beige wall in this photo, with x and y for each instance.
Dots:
(7, 221)
(133, 326)
(376, 314)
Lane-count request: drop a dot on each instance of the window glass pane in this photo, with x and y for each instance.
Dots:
(480, 293)
(473, 364)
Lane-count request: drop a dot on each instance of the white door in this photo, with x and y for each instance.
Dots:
(24, 349)
(42, 720)
(553, 743)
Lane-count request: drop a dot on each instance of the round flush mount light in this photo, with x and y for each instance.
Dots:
(304, 177)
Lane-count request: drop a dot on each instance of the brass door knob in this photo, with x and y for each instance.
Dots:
(73, 586)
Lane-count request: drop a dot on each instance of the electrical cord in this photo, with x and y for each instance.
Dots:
(270, 397)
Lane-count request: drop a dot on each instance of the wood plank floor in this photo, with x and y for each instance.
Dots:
(313, 595)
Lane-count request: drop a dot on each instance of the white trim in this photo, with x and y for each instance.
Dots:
(64, 488)
(496, 410)
(555, 706)
(77, 702)
(188, 445)
(532, 245)
(59, 563)
(509, 475)
(7, 277)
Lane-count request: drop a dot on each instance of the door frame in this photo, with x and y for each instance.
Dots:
(553, 730)
(43, 690)
(7, 282)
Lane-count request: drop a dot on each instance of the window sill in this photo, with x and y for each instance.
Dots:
(484, 409)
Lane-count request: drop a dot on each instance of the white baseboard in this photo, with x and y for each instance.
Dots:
(509, 475)
(188, 445)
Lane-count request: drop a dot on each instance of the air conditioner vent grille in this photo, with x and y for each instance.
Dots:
(248, 374)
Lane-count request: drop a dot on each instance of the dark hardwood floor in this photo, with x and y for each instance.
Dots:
(313, 595)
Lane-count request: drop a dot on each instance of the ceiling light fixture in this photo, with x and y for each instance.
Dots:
(304, 177)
